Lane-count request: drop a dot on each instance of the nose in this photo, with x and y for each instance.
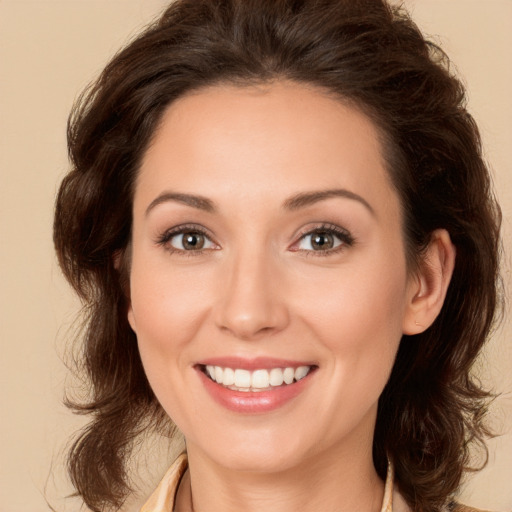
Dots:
(252, 302)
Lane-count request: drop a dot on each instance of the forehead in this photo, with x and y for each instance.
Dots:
(263, 141)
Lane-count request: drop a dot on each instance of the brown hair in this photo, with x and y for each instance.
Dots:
(369, 54)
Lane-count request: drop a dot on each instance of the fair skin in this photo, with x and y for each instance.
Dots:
(239, 262)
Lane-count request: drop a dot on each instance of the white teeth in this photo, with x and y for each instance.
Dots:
(301, 372)
(260, 379)
(276, 377)
(244, 380)
(288, 375)
(229, 377)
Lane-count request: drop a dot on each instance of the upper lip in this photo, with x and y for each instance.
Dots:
(256, 363)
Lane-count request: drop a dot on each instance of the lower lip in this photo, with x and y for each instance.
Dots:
(253, 401)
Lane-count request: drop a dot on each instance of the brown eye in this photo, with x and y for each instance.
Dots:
(193, 241)
(190, 241)
(186, 239)
(322, 241)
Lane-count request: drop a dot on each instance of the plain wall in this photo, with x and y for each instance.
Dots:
(49, 50)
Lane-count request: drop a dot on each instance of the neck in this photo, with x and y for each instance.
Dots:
(331, 482)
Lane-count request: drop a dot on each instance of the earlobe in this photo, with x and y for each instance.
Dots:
(428, 287)
(117, 259)
(122, 263)
(131, 319)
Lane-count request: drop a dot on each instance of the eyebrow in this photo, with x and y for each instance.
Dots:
(296, 202)
(308, 198)
(199, 202)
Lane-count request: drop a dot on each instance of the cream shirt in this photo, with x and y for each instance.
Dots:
(162, 499)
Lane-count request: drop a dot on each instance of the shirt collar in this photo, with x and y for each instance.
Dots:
(162, 499)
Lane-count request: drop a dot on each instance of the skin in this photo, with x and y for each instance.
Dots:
(258, 289)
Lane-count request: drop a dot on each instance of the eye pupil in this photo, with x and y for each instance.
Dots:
(193, 241)
(322, 241)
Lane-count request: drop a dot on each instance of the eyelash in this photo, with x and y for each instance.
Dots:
(167, 236)
(342, 235)
(346, 239)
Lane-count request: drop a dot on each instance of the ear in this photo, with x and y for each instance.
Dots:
(117, 259)
(131, 318)
(428, 286)
(122, 263)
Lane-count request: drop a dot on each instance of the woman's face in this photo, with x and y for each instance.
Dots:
(267, 245)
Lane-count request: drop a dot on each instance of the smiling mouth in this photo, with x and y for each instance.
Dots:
(258, 380)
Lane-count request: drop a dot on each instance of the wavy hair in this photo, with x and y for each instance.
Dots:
(369, 54)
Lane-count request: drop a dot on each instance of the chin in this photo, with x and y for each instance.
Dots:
(266, 461)
(259, 453)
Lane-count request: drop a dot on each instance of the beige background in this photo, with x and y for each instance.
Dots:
(49, 50)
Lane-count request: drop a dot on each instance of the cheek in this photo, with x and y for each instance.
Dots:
(167, 308)
(369, 299)
(358, 318)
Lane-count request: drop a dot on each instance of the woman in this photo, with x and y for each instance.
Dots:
(272, 215)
